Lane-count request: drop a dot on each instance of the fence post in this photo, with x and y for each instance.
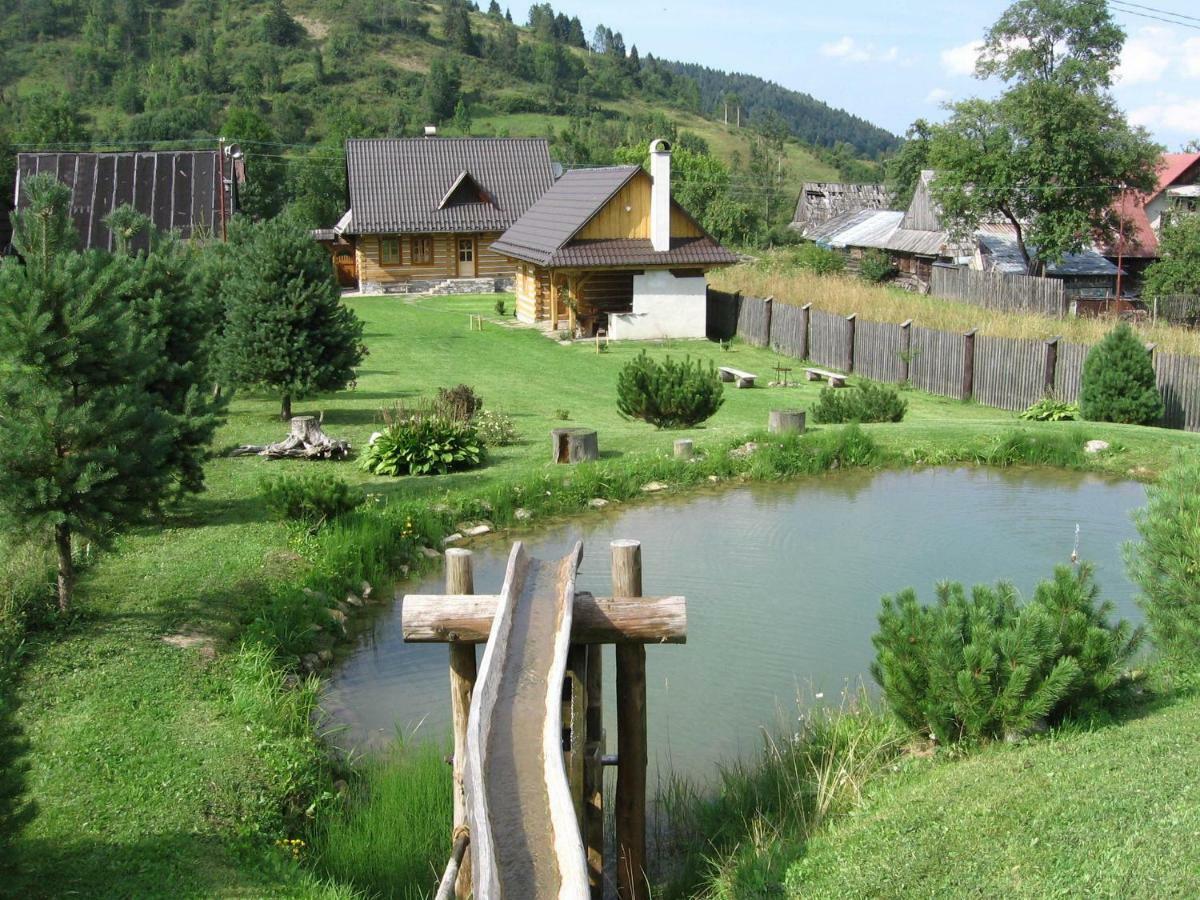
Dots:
(805, 319)
(631, 735)
(905, 350)
(460, 579)
(1150, 348)
(1051, 363)
(850, 319)
(768, 304)
(968, 383)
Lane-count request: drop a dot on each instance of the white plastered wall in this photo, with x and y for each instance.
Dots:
(663, 307)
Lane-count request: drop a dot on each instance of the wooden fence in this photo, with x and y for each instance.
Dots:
(1178, 310)
(1010, 373)
(999, 291)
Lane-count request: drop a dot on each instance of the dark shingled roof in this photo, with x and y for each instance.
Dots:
(407, 185)
(177, 190)
(543, 235)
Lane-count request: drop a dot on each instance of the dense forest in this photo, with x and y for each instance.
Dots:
(291, 79)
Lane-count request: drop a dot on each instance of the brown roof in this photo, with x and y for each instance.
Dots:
(543, 235)
(177, 190)
(407, 185)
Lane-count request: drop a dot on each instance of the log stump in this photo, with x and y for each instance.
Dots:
(786, 421)
(305, 440)
(684, 449)
(574, 445)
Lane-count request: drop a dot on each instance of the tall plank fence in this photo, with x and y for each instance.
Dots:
(1010, 373)
(1000, 291)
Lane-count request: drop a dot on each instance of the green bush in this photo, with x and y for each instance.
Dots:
(820, 260)
(875, 267)
(986, 666)
(669, 394)
(864, 401)
(1048, 409)
(424, 445)
(1165, 564)
(1118, 381)
(458, 404)
(495, 428)
(318, 497)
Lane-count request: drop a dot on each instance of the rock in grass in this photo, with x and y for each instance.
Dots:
(1095, 446)
(451, 539)
(366, 590)
(430, 553)
(352, 599)
(599, 502)
(653, 487)
(479, 530)
(522, 515)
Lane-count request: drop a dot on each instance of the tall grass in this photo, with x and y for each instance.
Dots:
(775, 276)
(390, 838)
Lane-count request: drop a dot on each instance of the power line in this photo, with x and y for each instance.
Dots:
(1146, 15)
(1154, 9)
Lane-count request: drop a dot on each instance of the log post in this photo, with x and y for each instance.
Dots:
(968, 382)
(768, 305)
(805, 320)
(785, 421)
(851, 320)
(631, 735)
(574, 445)
(460, 579)
(684, 449)
(905, 351)
(1051, 364)
(593, 832)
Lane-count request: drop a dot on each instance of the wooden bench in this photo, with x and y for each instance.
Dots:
(743, 379)
(834, 379)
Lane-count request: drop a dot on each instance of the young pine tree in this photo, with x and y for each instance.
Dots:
(84, 446)
(286, 329)
(1118, 382)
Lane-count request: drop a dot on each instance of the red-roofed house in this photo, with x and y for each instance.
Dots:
(1143, 214)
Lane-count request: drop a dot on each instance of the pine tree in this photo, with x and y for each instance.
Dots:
(84, 447)
(456, 27)
(1118, 383)
(286, 329)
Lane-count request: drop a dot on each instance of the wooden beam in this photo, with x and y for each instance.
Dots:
(460, 579)
(467, 619)
(630, 813)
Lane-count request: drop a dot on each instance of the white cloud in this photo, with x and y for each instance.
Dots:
(1171, 113)
(1146, 56)
(958, 61)
(937, 96)
(847, 49)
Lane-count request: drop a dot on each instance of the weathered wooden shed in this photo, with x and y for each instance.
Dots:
(821, 201)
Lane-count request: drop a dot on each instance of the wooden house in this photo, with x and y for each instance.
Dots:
(190, 192)
(425, 212)
(608, 248)
(821, 201)
(1143, 214)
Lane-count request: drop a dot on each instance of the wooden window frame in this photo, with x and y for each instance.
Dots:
(426, 255)
(388, 259)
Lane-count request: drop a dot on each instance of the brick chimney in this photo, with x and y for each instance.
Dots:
(660, 195)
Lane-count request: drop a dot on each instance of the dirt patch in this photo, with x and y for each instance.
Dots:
(408, 63)
(317, 30)
(193, 640)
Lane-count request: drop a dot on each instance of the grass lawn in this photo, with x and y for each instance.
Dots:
(156, 770)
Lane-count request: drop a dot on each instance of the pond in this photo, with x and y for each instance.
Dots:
(783, 583)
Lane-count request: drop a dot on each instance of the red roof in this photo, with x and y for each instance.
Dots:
(1140, 239)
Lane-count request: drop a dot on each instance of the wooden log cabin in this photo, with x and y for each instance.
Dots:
(424, 212)
(609, 249)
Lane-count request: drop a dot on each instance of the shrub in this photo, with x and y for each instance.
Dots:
(876, 266)
(820, 260)
(501, 308)
(423, 445)
(309, 498)
(987, 666)
(1165, 564)
(1048, 409)
(1118, 381)
(669, 394)
(495, 428)
(864, 401)
(458, 404)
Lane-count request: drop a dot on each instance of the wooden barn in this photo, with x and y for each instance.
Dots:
(609, 249)
(425, 212)
(821, 201)
(190, 192)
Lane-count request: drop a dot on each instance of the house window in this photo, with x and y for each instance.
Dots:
(466, 250)
(422, 250)
(389, 251)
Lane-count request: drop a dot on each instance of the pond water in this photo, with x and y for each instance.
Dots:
(783, 583)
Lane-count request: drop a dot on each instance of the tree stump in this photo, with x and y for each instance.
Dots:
(306, 440)
(574, 445)
(684, 449)
(786, 421)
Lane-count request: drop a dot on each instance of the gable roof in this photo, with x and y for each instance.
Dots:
(405, 185)
(865, 228)
(543, 235)
(998, 247)
(178, 190)
(1140, 238)
(821, 201)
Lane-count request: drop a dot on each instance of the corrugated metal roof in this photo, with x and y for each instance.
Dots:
(824, 232)
(1003, 255)
(877, 226)
(699, 251)
(177, 190)
(406, 185)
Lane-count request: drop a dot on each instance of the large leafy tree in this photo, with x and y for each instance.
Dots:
(85, 445)
(1052, 153)
(286, 328)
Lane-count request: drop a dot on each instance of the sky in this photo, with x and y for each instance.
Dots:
(892, 62)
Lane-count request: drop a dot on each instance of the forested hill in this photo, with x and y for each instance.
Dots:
(291, 79)
(807, 118)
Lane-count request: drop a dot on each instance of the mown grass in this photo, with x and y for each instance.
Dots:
(156, 769)
(775, 276)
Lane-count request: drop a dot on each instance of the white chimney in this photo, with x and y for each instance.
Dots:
(430, 131)
(660, 195)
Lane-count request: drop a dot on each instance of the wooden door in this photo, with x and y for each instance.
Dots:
(347, 270)
(466, 257)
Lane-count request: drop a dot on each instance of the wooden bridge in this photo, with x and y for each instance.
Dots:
(529, 741)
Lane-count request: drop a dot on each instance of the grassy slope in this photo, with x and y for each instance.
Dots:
(144, 770)
(1113, 812)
